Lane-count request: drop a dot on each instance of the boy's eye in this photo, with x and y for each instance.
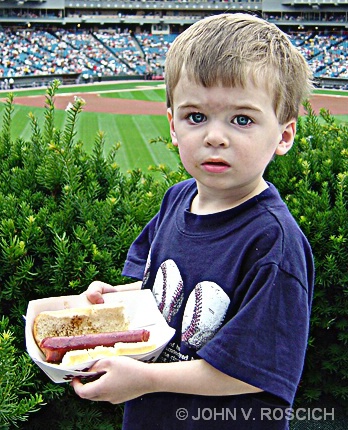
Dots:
(242, 120)
(196, 117)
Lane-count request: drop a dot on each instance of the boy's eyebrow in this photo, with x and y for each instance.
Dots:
(237, 106)
(189, 106)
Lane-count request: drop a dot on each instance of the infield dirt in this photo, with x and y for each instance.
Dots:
(337, 105)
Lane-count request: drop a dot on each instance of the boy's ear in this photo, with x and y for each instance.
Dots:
(288, 136)
(171, 125)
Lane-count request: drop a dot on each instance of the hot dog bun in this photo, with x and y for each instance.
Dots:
(73, 358)
(79, 321)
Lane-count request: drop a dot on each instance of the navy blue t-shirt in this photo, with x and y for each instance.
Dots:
(237, 287)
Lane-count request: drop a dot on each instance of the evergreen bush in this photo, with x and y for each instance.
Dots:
(68, 217)
(16, 379)
(313, 180)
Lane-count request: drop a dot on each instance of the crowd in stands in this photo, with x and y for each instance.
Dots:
(326, 54)
(124, 47)
(91, 55)
(63, 52)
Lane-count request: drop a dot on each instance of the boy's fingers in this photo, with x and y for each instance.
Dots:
(77, 386)
(85, 391)
(82, 390)
(95, 292)
(94, 297)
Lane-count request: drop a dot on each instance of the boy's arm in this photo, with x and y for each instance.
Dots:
(195, 377)
(124, 378)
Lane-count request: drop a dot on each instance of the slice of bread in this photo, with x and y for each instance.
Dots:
(73, 358)
(78, 321)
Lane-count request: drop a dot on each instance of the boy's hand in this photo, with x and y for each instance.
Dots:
(96, 290)
(122, 379)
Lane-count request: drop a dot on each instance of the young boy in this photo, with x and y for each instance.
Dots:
(228, 266)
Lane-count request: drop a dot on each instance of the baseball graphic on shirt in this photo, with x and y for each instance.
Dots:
(168, 289)
(204, 314)
(147, 269)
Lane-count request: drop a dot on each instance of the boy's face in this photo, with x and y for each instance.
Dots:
(226, 137)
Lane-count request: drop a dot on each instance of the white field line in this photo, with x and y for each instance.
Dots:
(124, 90)
(138, 88)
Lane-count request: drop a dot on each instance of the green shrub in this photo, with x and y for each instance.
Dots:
(68, 218)
(313, 180)
(16, 380)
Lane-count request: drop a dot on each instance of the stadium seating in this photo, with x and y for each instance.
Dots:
(113, 53)
(93, 52)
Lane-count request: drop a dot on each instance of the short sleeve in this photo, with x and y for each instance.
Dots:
(264, 343)
(137, 255)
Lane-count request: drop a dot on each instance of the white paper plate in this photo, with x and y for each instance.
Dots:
(140, 308)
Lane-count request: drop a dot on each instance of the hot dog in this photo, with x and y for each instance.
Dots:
(79, 321)
(55, 348)
(62, 331)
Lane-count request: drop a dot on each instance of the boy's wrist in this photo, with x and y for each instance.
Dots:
(151, 378)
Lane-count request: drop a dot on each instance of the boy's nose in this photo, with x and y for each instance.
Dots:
(216, 137)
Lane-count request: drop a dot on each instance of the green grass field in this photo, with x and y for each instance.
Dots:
(133, 131)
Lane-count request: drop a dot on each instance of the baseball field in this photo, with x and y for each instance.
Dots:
(129, 113)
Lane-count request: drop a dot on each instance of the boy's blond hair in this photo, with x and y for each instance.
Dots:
(229, 49)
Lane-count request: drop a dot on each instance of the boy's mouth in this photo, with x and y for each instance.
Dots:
(215, 165)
